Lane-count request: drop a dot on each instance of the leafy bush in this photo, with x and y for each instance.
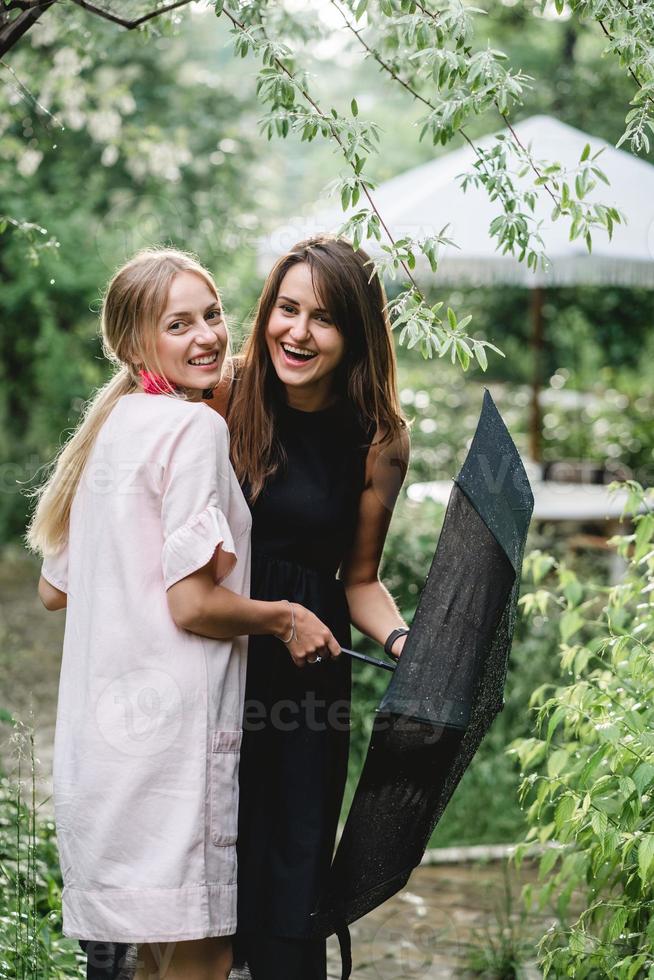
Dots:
(588, 774)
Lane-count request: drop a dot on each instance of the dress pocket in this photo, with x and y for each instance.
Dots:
(225, 749)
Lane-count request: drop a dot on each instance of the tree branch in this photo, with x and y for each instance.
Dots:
(130, 24)
(386, 67)
(24, 88)
(371, 51)
(22, 5)
(526, 152)
(12, 32)
(629, 69)
(428, 13)
(335, 135)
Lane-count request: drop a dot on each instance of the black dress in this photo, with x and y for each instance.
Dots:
(296, 720)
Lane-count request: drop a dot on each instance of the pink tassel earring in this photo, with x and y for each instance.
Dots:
(155, 384)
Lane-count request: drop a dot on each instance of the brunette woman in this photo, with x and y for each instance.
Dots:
(320, 447)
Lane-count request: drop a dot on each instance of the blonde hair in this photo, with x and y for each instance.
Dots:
(132, 306)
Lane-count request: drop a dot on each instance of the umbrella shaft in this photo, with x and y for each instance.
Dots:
(368, 660)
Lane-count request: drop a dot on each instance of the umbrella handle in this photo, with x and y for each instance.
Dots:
(368, 660)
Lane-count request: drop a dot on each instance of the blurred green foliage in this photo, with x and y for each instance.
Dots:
(153, 149)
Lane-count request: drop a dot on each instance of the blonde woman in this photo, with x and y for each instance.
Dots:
(146, 539)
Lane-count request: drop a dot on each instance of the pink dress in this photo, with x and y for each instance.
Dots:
(149, 717)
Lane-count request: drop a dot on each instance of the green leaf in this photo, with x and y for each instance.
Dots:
(548, 860)
(218, 7)
(557, 762)
(581, 660)
(599, 822)
(644, 535)
(627, 786)
(570, 623)
(564, 810)
(645, 857)
(573, 591)
(577, 943)
(602, 176)
(617, 923)
(480, 354)
(586, 153)
(354, 107)
(555, 720)
(462, 354)
(451, 317)
(643, 776)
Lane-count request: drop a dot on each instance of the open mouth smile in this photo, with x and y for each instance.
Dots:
(205, 360)
(297, 355)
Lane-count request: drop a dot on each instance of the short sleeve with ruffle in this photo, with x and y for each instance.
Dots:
(55, 569)
(195, 497)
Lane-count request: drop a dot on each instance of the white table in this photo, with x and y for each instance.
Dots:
(552, 501)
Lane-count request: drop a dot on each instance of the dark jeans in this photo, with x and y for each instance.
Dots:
(106, 961)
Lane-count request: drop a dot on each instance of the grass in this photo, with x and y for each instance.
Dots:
(504, 946)
(31, 943)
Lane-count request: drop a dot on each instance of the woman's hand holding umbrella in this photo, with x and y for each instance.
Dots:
(308, 641)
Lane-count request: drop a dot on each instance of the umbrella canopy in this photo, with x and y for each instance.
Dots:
(422, 200)
(448, 685)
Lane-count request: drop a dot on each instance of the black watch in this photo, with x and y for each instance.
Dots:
(390, 640)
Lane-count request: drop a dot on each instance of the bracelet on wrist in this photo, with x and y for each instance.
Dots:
(293, 634)
(391, 638)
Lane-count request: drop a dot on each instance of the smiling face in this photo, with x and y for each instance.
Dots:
(305, 346)
(191, 337)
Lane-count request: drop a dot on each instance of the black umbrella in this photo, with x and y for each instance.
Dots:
(448, 685)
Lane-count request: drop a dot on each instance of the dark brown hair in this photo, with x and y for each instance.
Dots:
(366, 377)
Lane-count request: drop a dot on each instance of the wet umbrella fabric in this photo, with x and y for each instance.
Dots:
(447, 688)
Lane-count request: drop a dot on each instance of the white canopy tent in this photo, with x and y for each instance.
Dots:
(422, 200)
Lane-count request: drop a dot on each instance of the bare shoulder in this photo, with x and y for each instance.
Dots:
(387, 460)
